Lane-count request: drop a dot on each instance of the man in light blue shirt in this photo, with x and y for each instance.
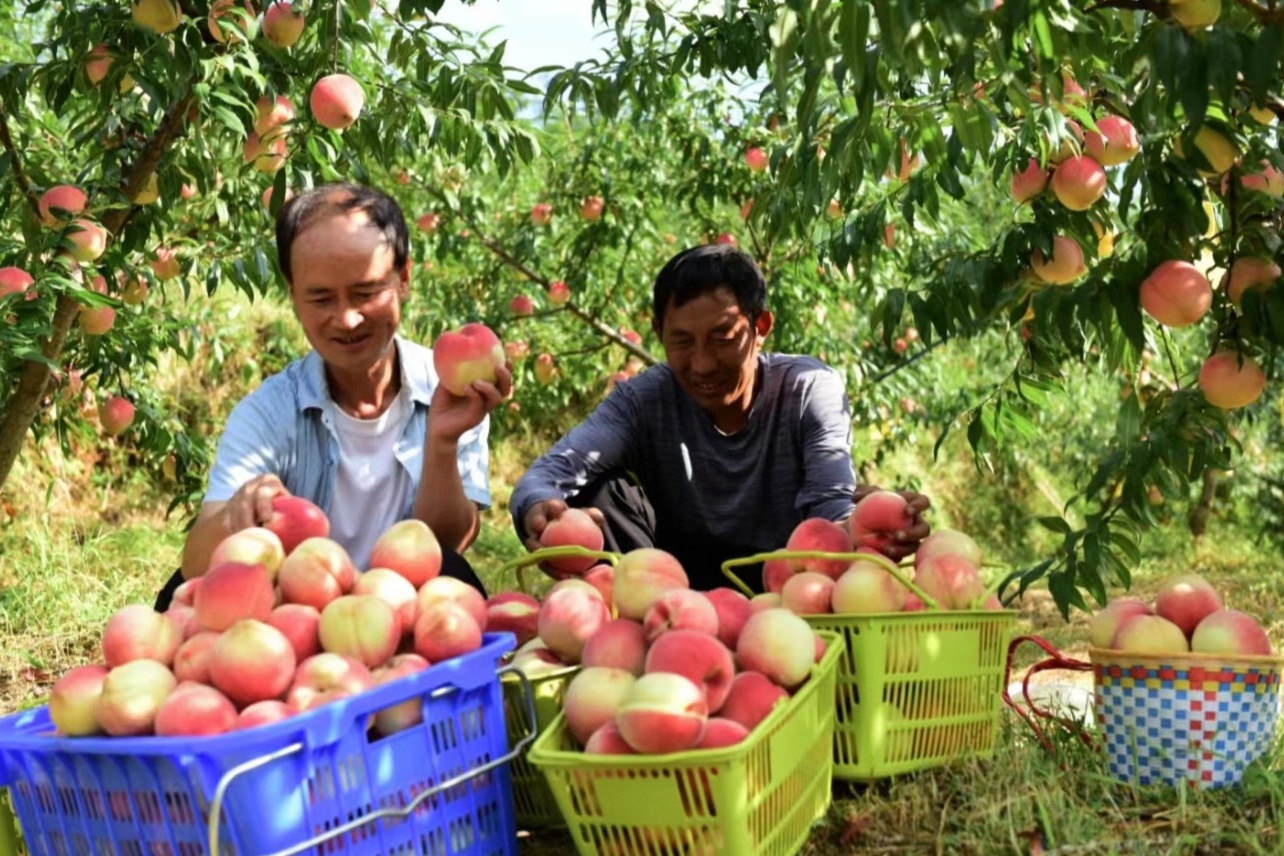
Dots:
(360, 426)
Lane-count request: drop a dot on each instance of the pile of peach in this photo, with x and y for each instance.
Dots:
(1187, 616)
(663, 668)
(946, 566)
(280, 623)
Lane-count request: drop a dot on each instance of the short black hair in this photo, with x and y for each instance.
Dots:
(340, 198)
(702, 270)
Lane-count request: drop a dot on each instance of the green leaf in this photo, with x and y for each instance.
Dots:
(853, 34)
(1054, 524)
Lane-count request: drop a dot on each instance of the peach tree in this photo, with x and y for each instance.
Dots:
(1136, 142)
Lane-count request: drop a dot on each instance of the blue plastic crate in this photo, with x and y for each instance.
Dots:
(319, 782)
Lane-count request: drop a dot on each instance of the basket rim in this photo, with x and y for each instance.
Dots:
(917, 615)
(564, 671)
(541, 754)
(1114, 656)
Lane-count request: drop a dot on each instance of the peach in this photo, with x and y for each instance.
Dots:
(192, 662)
(253, 546)
(409, 548)
(252, 661)
(1070, 145)
(88, 240)
(949, 541)
(231, 592)
(602, 578)
(186, 592)
(457, 591)
(195, 709)
(1229, 384)
(360, 626)
(573, 527)
(14, 280)
(282, 25)
(662, 712)
(568, 618)
(1066, 264)
(262, 713)
(574, 583)
(97, 320)
(641, 576)
(535, 660)
(876, 518)
(300, 624)
(591, 208)
(1149, 634)
(619, 644)
(73, 704)
(1114, 142)
(779, 644)
(868, 588)
(393, 589)
(1078, 182)
(720, 733)
(1229, 631)
(1176, 294)
(324, 678)
(558, 292)
(60, 200)
(166, 265)
(159, 16)
(607, 741)
(467, 355)
(593, 697)
(427, 223)
(700, 658)
(820, 535)
(520, 307)
(1104, 625)
(336, 101)
(545, 368)
(733, 610)
(951, 580)
(775, 573)
(1196, 15)
(913, 603)
(513, 612)
(132, 694)
(138, 632)
(316, 572)
(1186, 600)
(1030, 182)
(680, 609)
(756, 159)
(541, 213)
(1269, 180)
(445, 630)
(295, 520)
(808, 593)
(116, 415)
(760, 602)
(266, 154)
(1249, 272)
(406, 714)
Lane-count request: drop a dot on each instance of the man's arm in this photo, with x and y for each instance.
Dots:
(443, 500)
(244, 478)
(604, 441)
(829, 478)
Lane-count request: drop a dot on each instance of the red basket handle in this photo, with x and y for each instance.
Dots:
(1054, 660)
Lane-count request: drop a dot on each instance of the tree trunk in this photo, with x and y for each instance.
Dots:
(23, 405)
(1197, 519)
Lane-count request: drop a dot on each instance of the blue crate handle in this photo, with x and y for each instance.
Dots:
(216, 805)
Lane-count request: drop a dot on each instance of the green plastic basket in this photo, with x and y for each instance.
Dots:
(757, 798)
(533, 802)
(915, 690)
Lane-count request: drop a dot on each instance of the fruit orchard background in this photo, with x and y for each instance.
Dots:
(1080, 415)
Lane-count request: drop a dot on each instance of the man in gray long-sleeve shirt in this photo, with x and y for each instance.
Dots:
(720, 452)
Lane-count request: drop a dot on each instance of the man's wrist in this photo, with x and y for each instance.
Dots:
(441, 448)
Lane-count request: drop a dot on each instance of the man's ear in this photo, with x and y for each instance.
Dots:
(403, 289)
(763, 323)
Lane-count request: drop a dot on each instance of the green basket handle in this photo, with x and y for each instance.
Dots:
(878, 559)
(520, 564)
